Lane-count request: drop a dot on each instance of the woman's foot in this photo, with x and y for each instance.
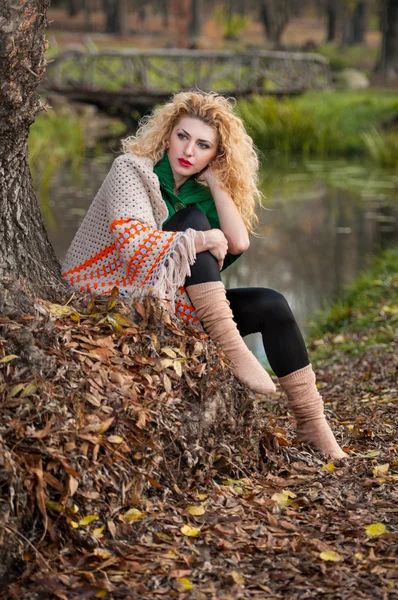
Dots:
(212, 309)
(307, 406)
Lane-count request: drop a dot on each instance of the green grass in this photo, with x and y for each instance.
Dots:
(343, 57)
(365, 314)
(325, 123)
(56, 139)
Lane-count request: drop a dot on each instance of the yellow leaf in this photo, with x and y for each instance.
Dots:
(375, 529)
(237, 578)
(101, 594)
(283, 499)
(102, 553)
(189, 531)
(196, 511)
(339, 339)
(328, 467)
(55, 506)
(359, 556)
(202, 496)
(133, 514)
(74, 524)
(169, 352)
(184, 584)
(177, 368)
(87, 520)
(115, 439)
(106, 424)
(99, 530)
(58, 310)
(350, 427)
(380, 469)
(16, 389)
(7, 358)
(166, 362)
(29, 389)
(330, 555)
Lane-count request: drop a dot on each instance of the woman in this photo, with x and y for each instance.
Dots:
(174, 210)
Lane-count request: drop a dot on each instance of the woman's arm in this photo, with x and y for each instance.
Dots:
(231, 222)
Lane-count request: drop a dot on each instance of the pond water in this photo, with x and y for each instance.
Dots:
(320, 224)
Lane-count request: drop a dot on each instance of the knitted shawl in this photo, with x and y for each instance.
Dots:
(121, 243)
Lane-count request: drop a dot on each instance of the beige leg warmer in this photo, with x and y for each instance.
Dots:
(212, 309)
(307, 406)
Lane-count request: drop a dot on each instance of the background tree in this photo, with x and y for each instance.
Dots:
(387, 65)
(195, 24)
(116, 12)
(275, 15)
(25, 251)
(332, 15)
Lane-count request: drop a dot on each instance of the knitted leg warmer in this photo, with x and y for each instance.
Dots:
(307, 406)
(212, 309)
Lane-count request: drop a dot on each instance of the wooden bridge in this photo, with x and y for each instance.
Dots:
(127, 79)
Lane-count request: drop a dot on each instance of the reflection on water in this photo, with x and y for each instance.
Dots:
(318, 229)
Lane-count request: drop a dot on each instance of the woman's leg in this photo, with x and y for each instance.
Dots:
(208, 296)
(267, 312)
(205, 267)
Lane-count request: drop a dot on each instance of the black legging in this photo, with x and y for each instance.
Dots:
(255, 309)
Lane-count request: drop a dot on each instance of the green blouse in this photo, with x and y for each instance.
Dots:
(190, 193)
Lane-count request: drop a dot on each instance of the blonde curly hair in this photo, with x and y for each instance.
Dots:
(236, 161)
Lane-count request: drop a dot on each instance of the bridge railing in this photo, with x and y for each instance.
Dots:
(160, 72)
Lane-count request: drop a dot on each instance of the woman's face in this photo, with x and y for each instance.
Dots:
(192, 145)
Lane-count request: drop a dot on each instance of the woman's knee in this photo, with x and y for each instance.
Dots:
(274, 306)
(194, 218)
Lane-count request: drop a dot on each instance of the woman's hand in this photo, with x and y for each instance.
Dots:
(215, 242)
(208, 175)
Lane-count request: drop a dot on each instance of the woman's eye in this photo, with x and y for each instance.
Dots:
(203, 146)
(181, 136)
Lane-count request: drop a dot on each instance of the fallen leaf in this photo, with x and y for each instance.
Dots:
(328, 467)
(133, 514)
(330, 556)
(184, 584)
(375, 529)
(380, 469)
(284, 498)
(189, 531)
(115, 439)
(196, 511)
(88, 519)
(237, 578)
(102, 553)
(7, 358)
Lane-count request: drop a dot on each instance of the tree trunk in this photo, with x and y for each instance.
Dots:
(387, 64)
(116, 16)
(73, 7)
(275, 15)
(165, 11)
(359, 23)
(25, 251)
(331, 12)
(195, 25)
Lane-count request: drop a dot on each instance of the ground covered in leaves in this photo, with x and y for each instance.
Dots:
(133, 465)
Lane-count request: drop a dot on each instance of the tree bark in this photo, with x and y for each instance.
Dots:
(25, 251)
(331, 12)
(388, 61)
(275, 15)
(116, 16)
(195, 25)
(359, 23)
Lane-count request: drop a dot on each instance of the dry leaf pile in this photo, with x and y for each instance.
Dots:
(133, 465)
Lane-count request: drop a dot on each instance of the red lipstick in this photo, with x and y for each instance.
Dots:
(184, 163)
